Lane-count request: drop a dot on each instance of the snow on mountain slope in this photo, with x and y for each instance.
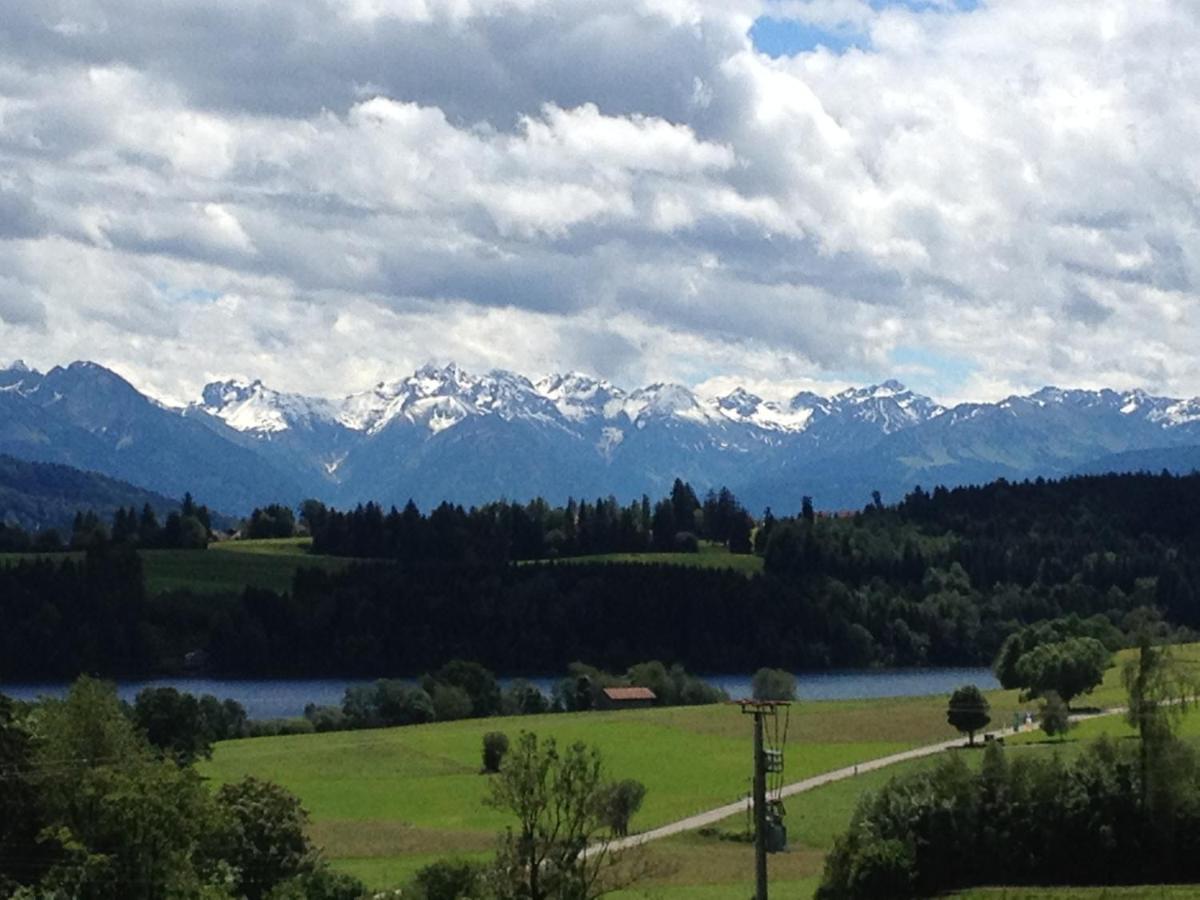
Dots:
(749, 409)
(445, 433)
(578, 397)
(890, 405)
(251, 406)
(440, 398)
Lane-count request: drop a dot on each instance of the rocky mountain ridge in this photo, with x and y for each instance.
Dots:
(443, 433)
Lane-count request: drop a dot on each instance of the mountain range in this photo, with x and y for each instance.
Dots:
(442, 433)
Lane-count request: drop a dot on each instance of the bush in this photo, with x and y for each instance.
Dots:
(885, 870)
(325, 718)
(386, 702)
(619, 802)
(774, 684)
(478, 683)
(523, 698)
(450, 702)
(686, 542)
(1054, 716)
(495, 745)
(449, 880)
(320, 884)
(401, 704)
(653, 675)
(276, 727)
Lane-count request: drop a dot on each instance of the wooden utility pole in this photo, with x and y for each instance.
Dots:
(760, 709)
(760, 808)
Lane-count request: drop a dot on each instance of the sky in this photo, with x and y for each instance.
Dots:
(975, 198)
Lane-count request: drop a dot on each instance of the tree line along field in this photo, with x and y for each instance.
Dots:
(386, 802)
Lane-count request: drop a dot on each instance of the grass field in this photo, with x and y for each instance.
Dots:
(229, 566)
(234, 565)
(384, 803)
(710, 556)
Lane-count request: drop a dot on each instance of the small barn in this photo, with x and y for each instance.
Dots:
(626, 698)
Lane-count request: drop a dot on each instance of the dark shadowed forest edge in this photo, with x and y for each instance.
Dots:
(941, 578)
(39, 496)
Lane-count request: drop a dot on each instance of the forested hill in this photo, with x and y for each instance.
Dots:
(38, 496)
(1095, 507)
(939, 579)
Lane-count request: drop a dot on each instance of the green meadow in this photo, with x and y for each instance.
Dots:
(709, 556)
(386, 802)
(234, 565)
(229, 566)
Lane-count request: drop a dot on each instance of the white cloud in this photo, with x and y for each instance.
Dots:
(626, 188)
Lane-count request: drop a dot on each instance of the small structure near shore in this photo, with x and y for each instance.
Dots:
(626, 698)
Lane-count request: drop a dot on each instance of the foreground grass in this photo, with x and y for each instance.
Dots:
(386, 802)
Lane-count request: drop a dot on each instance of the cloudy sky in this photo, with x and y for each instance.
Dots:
(976, 198)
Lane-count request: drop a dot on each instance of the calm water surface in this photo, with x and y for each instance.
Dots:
(281, 698)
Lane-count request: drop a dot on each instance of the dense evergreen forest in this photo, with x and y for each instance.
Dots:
(187, 528)
(941, 578)
(502, 531)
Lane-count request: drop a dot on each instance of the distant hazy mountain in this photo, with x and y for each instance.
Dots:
(37, 496)
(1176, 460)
(88, 417)
(444, 433)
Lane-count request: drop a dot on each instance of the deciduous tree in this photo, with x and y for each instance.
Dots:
(559, 846)
(969, 711)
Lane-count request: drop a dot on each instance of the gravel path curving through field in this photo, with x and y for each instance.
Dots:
(712, 816)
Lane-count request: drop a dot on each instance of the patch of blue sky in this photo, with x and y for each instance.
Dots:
(787, 37)
(930, 372)
(778, 36)
(187, 295)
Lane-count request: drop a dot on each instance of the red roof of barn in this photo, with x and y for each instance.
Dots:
(629, 693)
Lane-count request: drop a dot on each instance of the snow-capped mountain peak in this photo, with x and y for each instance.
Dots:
(745, 408)
(441, 397)
(891, 406)
(578, 397)
(442, 432)
(662, 401)
(741, 402)
(252, 407)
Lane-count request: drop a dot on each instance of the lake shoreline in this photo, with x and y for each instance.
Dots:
(279, 698)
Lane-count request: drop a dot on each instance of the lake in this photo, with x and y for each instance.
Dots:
(283, 698)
